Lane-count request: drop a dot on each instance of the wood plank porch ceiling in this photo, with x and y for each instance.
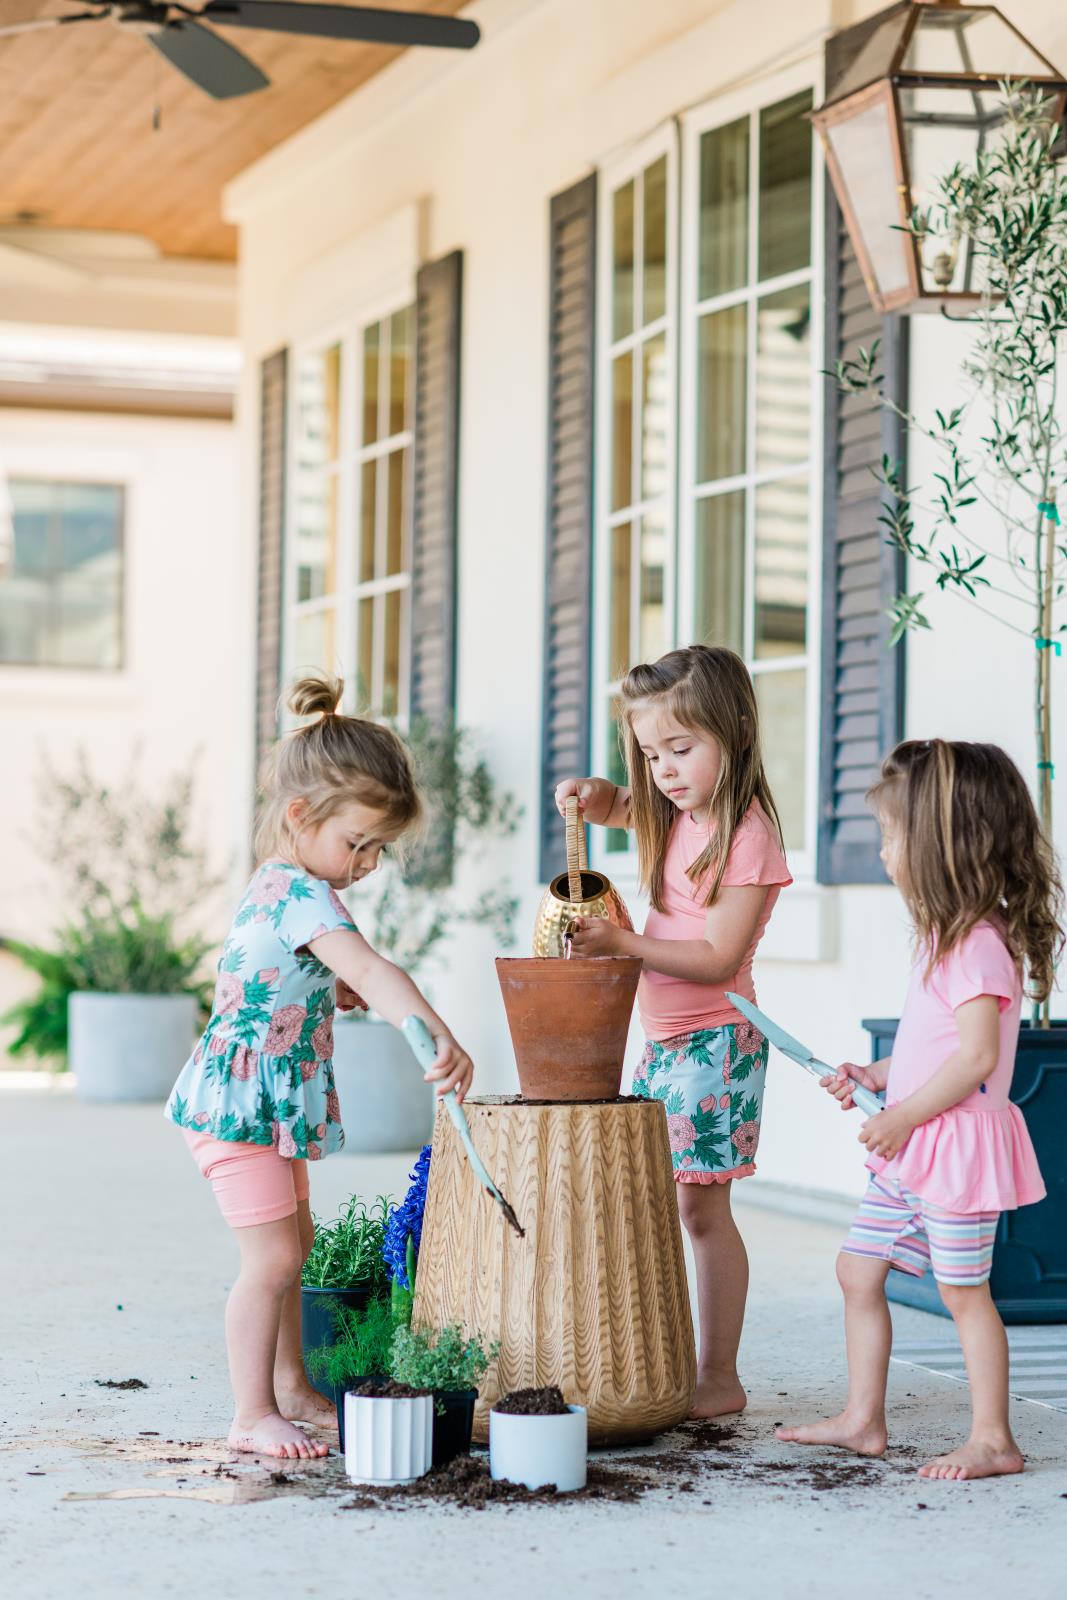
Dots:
(77, 145)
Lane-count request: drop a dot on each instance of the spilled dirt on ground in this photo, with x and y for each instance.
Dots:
(697, 1460)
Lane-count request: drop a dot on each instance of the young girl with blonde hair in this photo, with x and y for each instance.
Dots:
(711, 859)
(257, 1098)
(961, 840)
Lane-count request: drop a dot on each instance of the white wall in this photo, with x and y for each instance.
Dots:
(482, 144)
(186, 569)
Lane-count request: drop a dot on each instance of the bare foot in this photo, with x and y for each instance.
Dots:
(715, 1397)
(978, 1458)
(305, 1404)
(274, 1435)
(865, 1438)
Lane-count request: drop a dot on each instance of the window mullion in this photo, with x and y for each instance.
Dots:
(749, 630)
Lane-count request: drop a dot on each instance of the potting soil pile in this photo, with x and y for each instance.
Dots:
(387, 1389)
(547, 1402)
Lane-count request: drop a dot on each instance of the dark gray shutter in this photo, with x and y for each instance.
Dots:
(273, 388)
(434, 533)
(569, 530)
(435, 480)
(862, 698)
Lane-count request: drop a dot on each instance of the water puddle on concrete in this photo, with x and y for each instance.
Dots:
(209, 1472)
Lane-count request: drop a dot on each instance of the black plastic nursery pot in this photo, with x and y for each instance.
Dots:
(316, 1322)
(453, 1423)
(1029, 1277)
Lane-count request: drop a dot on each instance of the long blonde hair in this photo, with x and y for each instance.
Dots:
(329, 763)
(708, 689)
(972, 850)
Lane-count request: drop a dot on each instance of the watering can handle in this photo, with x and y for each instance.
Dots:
(577, 859)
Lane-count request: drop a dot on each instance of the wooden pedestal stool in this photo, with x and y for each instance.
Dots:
(594, 1298)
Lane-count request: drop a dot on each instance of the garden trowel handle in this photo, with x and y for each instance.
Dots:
(420, 1039)
(869, 1100)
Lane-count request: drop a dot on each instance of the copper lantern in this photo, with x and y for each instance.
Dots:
(910, 93)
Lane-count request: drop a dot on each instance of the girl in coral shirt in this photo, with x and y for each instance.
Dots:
(709, 848)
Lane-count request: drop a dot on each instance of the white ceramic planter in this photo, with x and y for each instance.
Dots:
(129, 1046)
(385, 1102)
(539, 1450)
(388, 1441)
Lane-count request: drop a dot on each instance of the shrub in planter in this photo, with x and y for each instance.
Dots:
(536, 1438)
(121, 978)
(345, 1269)
(450, 1365)
(361, 1351)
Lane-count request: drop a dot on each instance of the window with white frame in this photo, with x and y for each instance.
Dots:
(348, 562)
(736, 436)
(636, 469)
(61, 573)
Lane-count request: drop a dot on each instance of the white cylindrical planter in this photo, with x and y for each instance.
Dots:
(385, 1102)
(388, 1441)
(129, 1046)
(539, 1450)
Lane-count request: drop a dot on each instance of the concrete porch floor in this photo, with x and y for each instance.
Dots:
(116, 1265)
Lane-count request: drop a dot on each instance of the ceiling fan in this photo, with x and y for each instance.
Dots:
(222, 71)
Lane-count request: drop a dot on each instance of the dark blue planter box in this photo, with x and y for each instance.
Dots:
(1029, 1277)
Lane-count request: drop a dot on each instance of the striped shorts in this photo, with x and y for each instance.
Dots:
(895, 1225)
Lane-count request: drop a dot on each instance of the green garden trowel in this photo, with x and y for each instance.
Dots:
(418, 1037)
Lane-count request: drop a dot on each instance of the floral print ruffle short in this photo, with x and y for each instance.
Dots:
(711, 1083)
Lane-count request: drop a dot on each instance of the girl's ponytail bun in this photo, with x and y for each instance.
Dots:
(316, 695)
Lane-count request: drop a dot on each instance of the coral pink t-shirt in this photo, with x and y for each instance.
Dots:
(670, 1006)
(977, 1155)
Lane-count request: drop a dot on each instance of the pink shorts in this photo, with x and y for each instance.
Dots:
(252, 1182)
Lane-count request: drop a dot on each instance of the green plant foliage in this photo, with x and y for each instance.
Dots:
(362, 1348)
(415, 908)
(401, 1297)
(1005, 449)
(130, 877)
(348, 1252)
(439, 1359)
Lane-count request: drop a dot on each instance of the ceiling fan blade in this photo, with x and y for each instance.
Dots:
(208, 61)
(365, 23)
(51, 22)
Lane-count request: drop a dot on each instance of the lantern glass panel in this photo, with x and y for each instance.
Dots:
(976, 41)
(944, 127)
(864, 147)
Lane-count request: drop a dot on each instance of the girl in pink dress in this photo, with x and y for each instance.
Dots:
(961, 840)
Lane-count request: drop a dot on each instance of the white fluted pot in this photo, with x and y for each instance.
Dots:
(387, 1440)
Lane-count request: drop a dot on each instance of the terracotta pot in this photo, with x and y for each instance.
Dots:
(569, 1021)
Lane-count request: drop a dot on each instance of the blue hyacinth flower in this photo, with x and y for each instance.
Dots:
(405, 1222)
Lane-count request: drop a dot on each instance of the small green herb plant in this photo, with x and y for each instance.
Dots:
(348, 1251)
(362, 1348)
(439, 1359)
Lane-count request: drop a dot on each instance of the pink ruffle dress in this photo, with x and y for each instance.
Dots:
(977, 1156)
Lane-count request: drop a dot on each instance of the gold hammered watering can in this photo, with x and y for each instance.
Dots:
(578, 892)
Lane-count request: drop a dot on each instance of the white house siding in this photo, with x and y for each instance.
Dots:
(181, 688)
(470, 151)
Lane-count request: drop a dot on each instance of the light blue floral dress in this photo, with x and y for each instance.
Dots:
(262, 1072)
